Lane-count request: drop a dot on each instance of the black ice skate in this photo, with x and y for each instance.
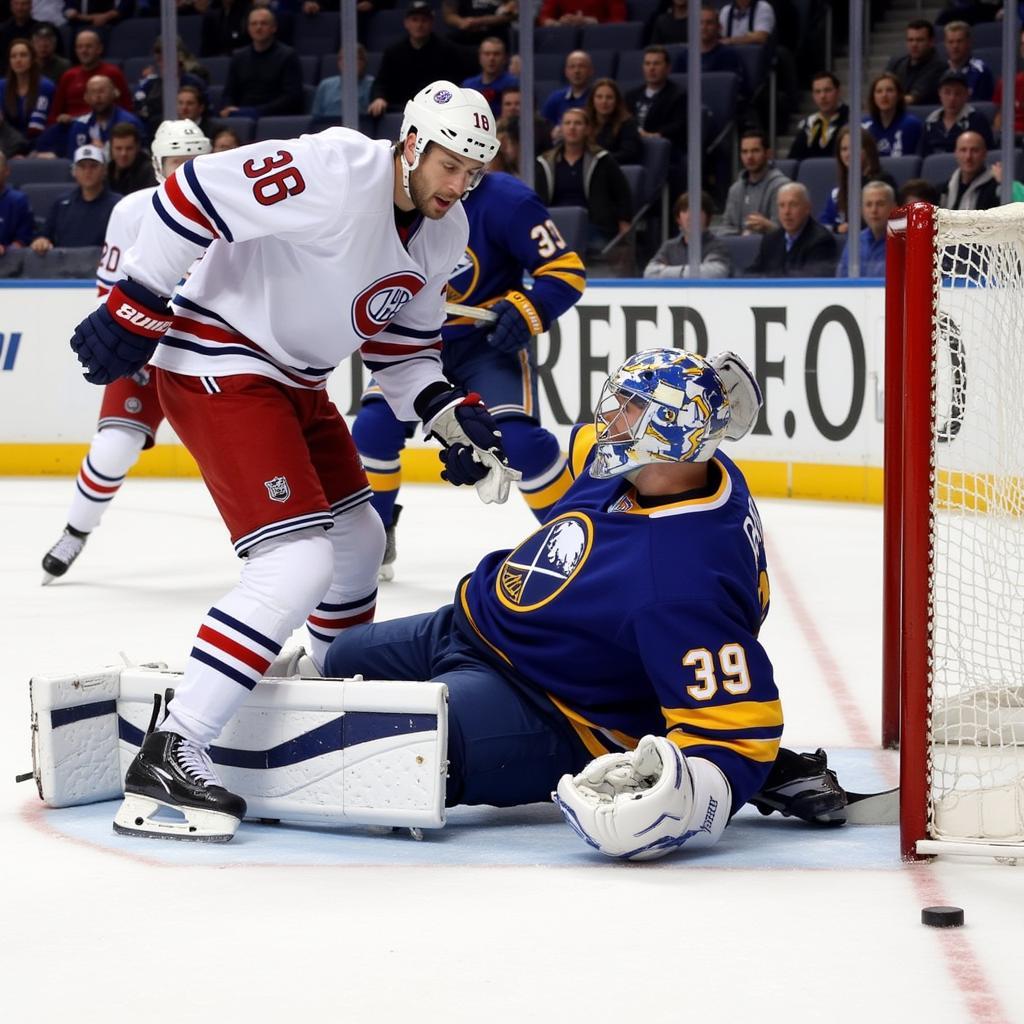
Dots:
(58, 559)
(173, 774)
(803, 786)
(387, 568)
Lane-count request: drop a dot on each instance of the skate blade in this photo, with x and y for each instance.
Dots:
(48, 579)
(136, 818)
(386, 573)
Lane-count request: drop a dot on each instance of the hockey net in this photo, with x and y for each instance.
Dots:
(954, 527)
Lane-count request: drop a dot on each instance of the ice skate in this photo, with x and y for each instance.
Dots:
(387, 568)
(172, 792)
(803, 786)
(59, 558)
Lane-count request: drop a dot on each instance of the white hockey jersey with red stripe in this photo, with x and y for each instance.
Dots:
(122, 230)
(303, 266)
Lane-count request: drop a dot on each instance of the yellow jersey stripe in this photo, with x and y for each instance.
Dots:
(587, 729)
(550, 494)
(584, 440)
(572, 280)
(764, 751)
(744, 714)
(567, 261)
(476, 629)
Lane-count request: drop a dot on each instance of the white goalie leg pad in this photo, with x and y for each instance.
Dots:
(644, 803)
(329, 751)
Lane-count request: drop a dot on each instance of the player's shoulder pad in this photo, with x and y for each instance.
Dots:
(581, 444)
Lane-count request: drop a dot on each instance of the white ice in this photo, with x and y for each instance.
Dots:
(500, 916)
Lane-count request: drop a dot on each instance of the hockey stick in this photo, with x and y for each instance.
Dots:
(473, 312)
(873, 808)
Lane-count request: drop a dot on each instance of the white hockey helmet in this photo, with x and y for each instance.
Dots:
(177, 138)
(458, 119)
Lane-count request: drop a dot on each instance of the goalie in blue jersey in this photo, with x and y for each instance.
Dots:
(613, 656)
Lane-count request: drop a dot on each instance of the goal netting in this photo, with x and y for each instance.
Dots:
(962, 540)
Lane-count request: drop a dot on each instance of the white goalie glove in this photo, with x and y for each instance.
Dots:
(642, 804)
(745, 399)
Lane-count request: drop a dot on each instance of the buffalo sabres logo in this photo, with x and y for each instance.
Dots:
(543, 565)
(379, 303)
(463, 279)
(278, 488)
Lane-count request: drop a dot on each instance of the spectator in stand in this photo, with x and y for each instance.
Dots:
(973, 11)
(942, 127)
(511, 106)
(225, 27)
(51, 11)
(672, 25)
(579, 73)
(415, 62)
(494, 77)
(506, 159)
(980, 83)
(800, 247)
(672, 260)
(191, 105)
(16, 222)
(131, 167)
(817, 133)
(877, 201)
(225, 139)
(658, 105)
(577, 173)
(1017, 194)
(747, 21)
(751, 207)
(613, 126)
(20, 25)
(1018, 99)
(895, 132)
(94, 130)
(69, 101)
(920, 68)
(834, 214)
(917, 190)
(25, 95)
(714, 54)
(265, 77)
(972, 186)
(44, 46)
(99, 15)
(470, 22)
(581, 12)
(80, 217)
(327, 101)
(149, 93)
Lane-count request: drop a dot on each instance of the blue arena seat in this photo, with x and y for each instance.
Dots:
(788, 167)
(318, 34)
(38, 170)
(635, 175)
(937, 168)
(643, 10)
(283, 127)
(818, 174)
(42, 196)
(218, 69)
(572, 223)
(310, 68)
(243, 127)
(75, 264)
(902, 168)
(555, 39)
(623, 35)
(389, 125)
(385, 29)
(743, 250)
(657, 154)
(988, 33)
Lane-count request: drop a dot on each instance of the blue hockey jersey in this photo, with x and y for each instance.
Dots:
(640, 620)
(510, 230)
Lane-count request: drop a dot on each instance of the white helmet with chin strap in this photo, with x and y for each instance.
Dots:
(177, 138)
(458, 119)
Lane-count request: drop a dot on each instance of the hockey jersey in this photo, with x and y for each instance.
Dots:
(511, 230)
(122, 230)
(640, 620)
(303, 266)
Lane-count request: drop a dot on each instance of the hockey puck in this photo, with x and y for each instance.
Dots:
(942, 917)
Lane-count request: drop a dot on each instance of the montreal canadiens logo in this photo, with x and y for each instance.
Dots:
(545, 563)
(376, 306)
(442, 96)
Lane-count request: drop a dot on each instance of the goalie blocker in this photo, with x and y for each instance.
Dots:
(324, 751)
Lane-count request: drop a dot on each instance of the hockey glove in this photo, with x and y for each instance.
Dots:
(642, 804)
(471, 440)
(514, 328)
(118, 338)
(744, 395)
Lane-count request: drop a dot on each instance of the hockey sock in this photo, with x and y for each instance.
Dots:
(536, 453)
(380, 437)
(244, 631)
(351, 599)
(111, 455)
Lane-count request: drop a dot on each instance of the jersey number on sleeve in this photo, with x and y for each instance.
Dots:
(277, 180)
(732, 663)
(109, 258)
(548, 238)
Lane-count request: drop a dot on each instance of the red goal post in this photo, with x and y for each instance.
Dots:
(953, 593)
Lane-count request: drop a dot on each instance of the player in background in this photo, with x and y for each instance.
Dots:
(130, 410)
(617, 647)
(510, 232)
(314, 248)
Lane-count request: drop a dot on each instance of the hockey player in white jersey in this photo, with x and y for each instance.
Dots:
(314, 248)
(130, 410)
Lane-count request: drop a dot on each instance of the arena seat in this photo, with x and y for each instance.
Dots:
(289, 126)
(42, 196)
(818, 174)
(572, 223)
(38, 170)
(317, 34)
(743, 250)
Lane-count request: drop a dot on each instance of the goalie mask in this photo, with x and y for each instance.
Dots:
(177, 138)
(661, 405)
(458, 119)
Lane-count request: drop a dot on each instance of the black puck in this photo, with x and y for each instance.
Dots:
(942, 917)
